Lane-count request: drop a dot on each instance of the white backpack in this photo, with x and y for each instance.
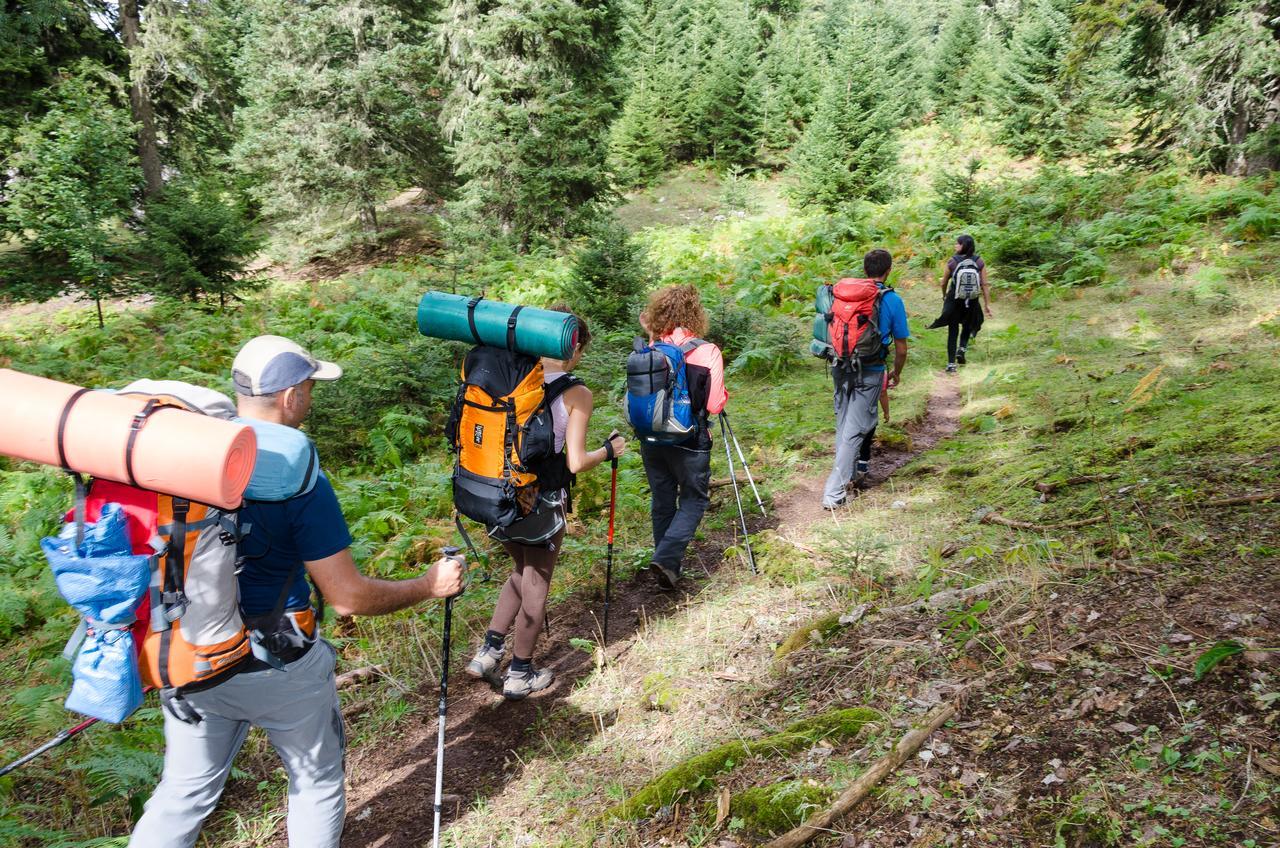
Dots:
(967, 280)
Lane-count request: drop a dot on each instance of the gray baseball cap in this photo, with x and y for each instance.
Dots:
(270, 364)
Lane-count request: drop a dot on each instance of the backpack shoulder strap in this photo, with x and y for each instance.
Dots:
(560, 385)
(689, 346)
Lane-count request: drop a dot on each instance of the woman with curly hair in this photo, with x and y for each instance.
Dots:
(680, 474)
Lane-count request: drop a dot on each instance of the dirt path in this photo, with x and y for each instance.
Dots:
(390, 787)
(802, 506)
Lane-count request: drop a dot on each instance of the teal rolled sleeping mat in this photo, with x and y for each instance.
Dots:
(536, 332)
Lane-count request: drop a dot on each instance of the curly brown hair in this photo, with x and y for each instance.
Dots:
(675, 306)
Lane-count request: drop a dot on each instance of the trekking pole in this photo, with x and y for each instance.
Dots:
(745, 467)
(751, 558)
(62, 737)
(451, 552)
(613, 509)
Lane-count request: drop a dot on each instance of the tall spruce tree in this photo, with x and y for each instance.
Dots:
(726, 100)
(532, 96)
(789, 87)
(339, 107)
(637, 144)
(960, 58)
(849, 149)
(1033, 108)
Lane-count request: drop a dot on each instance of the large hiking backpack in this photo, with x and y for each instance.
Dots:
(187, 626)
(501, 430)
(851, 311)
(966, 280)
(154, 576)
(658, 402)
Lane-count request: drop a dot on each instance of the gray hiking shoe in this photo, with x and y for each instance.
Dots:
(951, 368)
(521, 684)
(484, 665)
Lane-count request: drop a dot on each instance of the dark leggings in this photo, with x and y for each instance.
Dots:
(523, 600)
(952, 331)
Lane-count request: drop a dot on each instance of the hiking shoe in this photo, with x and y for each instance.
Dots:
(484, 665)
(862, 469)
(951, 368)
(834, 506)
(521, 684)
(960, 356)
(666, 577)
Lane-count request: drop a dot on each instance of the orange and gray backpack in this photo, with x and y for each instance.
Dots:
(502, 434)
(187, 628)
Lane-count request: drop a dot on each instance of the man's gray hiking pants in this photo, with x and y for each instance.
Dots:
(298, 708)
(856, 397)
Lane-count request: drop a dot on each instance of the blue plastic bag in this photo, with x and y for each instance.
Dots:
(107, 685)
(104, 580)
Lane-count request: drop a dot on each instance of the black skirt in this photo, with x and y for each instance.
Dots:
(960, 312)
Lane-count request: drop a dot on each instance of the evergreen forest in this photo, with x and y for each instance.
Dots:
(1072, 543)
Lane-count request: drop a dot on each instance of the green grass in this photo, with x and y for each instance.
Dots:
(1164, 375)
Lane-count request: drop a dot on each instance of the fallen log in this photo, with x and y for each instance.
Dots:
(861, 788)
(1049, 488)
(997, 518)
(1242, 500)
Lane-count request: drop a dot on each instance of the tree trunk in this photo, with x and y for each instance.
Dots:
(98, 302)
(140, 103)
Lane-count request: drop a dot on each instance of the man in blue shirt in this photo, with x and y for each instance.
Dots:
(857, 391)
(289, 688)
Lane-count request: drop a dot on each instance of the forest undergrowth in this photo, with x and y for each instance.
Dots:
(1134, 342)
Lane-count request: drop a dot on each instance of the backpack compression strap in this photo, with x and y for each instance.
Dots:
(511, 328)
(471, 317)
(82, 490)
(134, 428)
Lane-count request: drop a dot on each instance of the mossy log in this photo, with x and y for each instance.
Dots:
(696, 775)
(769, 810)
(803, 636)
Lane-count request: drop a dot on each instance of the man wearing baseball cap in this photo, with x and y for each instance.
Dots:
(288, 689)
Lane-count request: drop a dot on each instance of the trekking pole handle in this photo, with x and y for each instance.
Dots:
(608, 446)
(454, 553)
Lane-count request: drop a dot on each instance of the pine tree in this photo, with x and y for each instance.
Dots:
(959, 58)
(726, 99)
(197, 239)
(73, 178)
(529, 111)
(637, 150)
(789, 86)
(849, 149)
(1033, 109)
(339, 105)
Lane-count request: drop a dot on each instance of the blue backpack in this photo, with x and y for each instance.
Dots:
(658, 403)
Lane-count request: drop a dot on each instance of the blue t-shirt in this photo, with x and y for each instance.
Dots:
(893, 321)
(282, 536)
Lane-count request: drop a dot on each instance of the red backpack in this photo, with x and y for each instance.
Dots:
(854, 323)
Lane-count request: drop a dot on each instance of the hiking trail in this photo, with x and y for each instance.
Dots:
(389, 802)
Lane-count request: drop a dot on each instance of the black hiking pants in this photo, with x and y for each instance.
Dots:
(680, 483)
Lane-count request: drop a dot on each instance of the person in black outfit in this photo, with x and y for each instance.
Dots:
(962, 318)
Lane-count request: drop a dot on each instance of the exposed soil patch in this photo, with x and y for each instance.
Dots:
(390, 788)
